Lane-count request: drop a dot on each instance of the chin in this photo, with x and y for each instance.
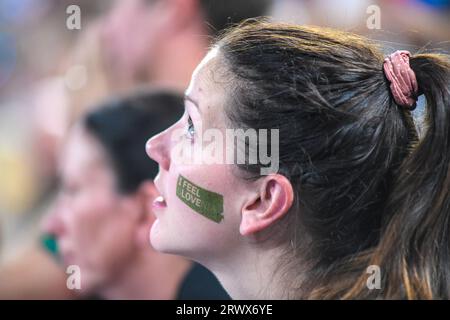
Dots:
(91, 278)
(156, 238)
(162, 245)
(172, 241)
(88, 287)
(163, 242)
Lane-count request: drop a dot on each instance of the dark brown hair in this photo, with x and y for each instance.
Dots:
(123, 124)
(367, 191)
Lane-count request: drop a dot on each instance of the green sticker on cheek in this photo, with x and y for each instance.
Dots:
(207, 203)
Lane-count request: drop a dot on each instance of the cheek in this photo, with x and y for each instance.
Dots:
(193, 231)
(90, 214)
(102, 234)
(91, 209)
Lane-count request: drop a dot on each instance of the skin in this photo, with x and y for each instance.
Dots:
(157, 42)
(44, 280)
(233, 249)
(105, 232)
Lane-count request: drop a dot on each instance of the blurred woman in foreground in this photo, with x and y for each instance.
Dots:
(103, 214)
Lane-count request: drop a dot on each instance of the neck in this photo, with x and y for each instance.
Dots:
(151, 276)
(254, 274)
(178, 58)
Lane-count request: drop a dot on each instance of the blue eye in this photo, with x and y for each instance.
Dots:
(191, 129)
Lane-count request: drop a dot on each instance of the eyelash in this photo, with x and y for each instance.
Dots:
(190, 134)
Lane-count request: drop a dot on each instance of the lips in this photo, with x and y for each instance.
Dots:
(159, 202)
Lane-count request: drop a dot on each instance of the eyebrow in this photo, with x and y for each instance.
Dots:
(195, 103)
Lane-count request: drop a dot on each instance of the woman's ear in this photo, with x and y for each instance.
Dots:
(274, 199)
(145, 195)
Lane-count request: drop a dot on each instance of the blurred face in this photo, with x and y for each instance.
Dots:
(131, 35)
(94, 225)
(179, 228)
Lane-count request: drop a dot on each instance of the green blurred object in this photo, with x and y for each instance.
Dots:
(50, 244)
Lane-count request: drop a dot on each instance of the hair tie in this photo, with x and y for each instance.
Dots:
(403, 80)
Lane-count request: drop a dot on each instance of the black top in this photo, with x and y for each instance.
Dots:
(201, 284)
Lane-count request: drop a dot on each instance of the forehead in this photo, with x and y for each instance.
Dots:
(200, 71)
(207, 87)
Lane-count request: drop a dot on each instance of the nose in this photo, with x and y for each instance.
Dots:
(157, 148)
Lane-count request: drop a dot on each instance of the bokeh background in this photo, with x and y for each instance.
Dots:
(50, 75)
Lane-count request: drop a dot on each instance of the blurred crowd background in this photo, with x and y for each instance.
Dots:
(50, 75)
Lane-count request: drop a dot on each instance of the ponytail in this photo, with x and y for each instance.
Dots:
(367, 190)
(414, 251)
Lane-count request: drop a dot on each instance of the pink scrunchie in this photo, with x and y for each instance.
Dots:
(403, 80)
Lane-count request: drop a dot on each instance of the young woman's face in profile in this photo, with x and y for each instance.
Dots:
(187, 229)
(94, 225)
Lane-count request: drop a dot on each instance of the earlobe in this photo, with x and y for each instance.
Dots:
(272, 203)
